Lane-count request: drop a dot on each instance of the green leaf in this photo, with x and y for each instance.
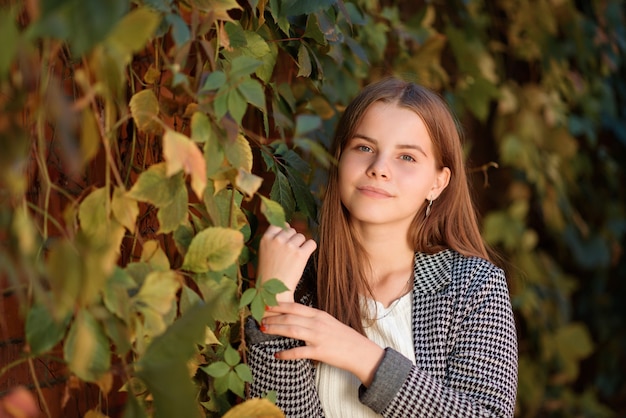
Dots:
(281, 192)
(231, 356)
(274, 286)
(214, 81)
(154, 186)
(257, 307)
(10, 36)
(115, 295)
(243, 66)
(144, 107)
(235, 384)
(306, 123)
(93, 215)
(223, 294)
(313, 30)
(163, 367)
(213, 154)
(252, 91)
(74, 21)
(201, 129)
(119, 333)
(304, 62)
(65, 274)
(298, 7)
(133, 409)
(214, 248)
(302, 194)
(217, 369)
(273, 211)
(180, 30)
(174, 214)
(42, 331)
(220, 102)
(133, 32)
(86, 349)
(188, 299)
(247, 297)
(237, 105)
(244, 373)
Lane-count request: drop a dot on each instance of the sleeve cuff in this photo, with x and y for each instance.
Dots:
(254, 334)
(390, 375)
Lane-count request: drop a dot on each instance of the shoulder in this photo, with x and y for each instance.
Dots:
(448, 269)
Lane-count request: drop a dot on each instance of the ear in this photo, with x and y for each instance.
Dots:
(441, 182)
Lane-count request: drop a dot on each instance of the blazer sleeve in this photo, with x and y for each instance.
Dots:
(481, 369)
(293, 381)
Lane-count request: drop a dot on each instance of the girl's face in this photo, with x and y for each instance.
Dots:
(387, 170)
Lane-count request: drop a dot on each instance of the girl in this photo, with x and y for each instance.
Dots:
(400, 313)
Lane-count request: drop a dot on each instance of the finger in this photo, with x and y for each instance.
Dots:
(293, 308)
(309, 246)
(272, 231)
(297, 240)
(270, 326)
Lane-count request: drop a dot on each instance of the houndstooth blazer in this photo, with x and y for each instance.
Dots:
(465, 350)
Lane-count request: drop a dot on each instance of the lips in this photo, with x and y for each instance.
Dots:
(374, 191)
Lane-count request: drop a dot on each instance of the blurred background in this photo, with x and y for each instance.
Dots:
(538, 86)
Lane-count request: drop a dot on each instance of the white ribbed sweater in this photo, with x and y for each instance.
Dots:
(338, 389)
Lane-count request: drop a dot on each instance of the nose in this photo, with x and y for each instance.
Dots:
(378, 168)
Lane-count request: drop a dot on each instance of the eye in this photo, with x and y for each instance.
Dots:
(364, 148)
(407, 157)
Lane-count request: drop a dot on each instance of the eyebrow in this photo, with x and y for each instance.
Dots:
(399, 146)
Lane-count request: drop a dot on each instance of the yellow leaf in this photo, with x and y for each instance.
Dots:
(247, 183)
(124, 209)
(255, 408)
(92, 413)
(159, 290)
(210, 338)
(152, 74)
(219, 8)
(239, 153)
(93, 214)
(144, 107)
(214, 248)
(106, 384)
(181, 153)
(154, 255)
(90, 137)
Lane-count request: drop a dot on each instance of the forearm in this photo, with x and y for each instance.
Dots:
(292, 380)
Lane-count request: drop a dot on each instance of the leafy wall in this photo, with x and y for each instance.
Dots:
(146, 143)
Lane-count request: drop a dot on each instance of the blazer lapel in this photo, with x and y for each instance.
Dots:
(432, 311)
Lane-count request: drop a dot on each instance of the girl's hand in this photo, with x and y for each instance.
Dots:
(283, 254)
(326, 339)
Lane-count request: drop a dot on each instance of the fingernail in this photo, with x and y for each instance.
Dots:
(267, 307)
(276, 356)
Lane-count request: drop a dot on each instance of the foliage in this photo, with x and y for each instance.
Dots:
(144, 150)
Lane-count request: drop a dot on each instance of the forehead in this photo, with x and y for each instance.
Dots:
(387, 122)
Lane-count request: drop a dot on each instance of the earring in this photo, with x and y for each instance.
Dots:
(430, 205)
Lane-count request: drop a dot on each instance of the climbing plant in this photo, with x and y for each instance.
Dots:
(147, 143)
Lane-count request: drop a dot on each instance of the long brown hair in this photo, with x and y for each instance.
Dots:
(341, 272)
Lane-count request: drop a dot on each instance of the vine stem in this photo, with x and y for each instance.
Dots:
(31, 366)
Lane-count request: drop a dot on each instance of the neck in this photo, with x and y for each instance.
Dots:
(391, 260)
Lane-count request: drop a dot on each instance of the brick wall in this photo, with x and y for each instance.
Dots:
(64, 396)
